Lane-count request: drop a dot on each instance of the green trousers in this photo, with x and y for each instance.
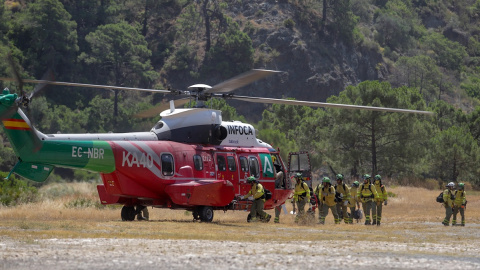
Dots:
(457, 209)
(367, 210)
(278, 210)
(333, 208)
(343, 208)
(448, 214)
(300, 209)
(257, 209)
(377, 212)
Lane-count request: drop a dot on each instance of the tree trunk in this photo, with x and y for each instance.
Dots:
(207, 25)
(145, 19)
(324, 15)
(374, 149)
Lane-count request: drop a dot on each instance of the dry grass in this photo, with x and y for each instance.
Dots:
(411, 216)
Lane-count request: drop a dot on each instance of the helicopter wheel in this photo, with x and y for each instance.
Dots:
(128, 213)
(206, 213)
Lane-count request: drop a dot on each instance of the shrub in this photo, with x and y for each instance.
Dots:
(289, 23)
(83, 203)
(15, 192)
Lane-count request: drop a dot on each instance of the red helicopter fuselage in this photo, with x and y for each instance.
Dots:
(178, 175)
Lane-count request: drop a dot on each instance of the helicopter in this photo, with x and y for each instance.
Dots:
(191, 159)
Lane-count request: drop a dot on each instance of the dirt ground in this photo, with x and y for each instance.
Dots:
(50, 235)
(104, 253)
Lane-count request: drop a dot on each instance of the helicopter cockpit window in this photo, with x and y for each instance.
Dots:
(243, 164)
(197, 162)
(254, 167)
(231, 164)
(167, 165)
(222, 164)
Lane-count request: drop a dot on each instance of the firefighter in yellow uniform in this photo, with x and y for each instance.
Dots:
(343, 192)
(354, 201)
(257, 195)
(448, 198)
(327, 198)
(318, 194)
(367, 194)
(459, 205)
(301, 196)
(279, 183)
(380, 201)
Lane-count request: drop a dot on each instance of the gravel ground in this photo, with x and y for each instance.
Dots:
(196, 254)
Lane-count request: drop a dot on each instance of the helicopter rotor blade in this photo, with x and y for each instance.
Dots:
(91, 85)
(156, 110)
(16, 73)
(322, 104)
(48, 76)
(241, 80)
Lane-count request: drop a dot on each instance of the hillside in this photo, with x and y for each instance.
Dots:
(421, 55)
(318, 63)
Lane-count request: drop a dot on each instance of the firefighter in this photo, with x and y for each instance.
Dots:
(301, 196)
(257, 195)
(142, 213)
(354, 200)
(318, 194)
(367, 194)
(343, 196)
(279, 183)
(448, 198)
(327, 197)
(459, 205)
(380, 201)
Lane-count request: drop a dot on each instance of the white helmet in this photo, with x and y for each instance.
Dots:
(451, 184)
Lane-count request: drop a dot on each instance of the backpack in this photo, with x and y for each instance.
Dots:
(357, 214)
(440, 198)
(370, 188)
(268, 194)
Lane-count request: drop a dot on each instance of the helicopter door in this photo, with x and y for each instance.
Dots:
(227, 168)
(249, 166)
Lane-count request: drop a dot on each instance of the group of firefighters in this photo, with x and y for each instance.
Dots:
(336, 198)
(454, 202)
(339, 197)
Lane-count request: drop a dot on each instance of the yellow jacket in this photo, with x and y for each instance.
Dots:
(256, 191)
(382, 193)
(345, 190)
(353, 197)
(367, 192)
(448, 197)
(327, 196)
(459, 198)
(301, 192)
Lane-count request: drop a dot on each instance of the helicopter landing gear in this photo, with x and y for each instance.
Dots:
(128, 213)
(203, 213)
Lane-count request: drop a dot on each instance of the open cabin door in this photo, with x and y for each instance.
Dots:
(299, 162)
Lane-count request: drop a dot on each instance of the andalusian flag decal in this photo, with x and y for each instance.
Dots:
(19, 124)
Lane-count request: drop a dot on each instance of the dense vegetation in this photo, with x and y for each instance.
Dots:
(431, 50)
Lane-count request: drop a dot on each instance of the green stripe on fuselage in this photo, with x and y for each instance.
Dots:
(96, 156)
